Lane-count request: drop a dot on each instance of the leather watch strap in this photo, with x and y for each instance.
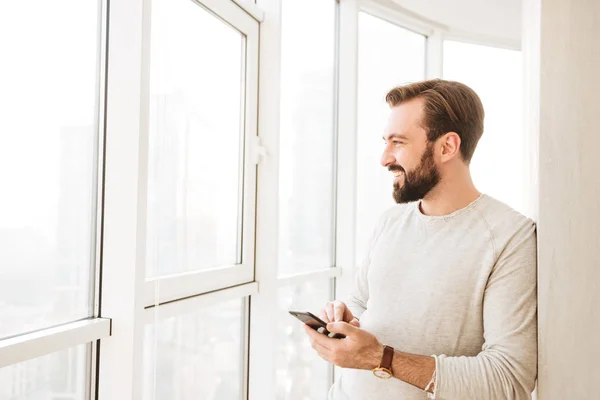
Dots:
(388, 356)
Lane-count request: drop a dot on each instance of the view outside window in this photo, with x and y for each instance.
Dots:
(307, 171)
(60, 375)
(498, 166)
(195, 197)
(196, 140)
(48, 174)
(301, 373)
(196, 355)
(388, 55)
(307, 137)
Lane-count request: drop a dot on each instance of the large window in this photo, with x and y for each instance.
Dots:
(388, 55)
(307, 191)
(200, 183)
(196, 140)
(496, 75)
(47, 157)
(200, 198)
(307, 140)
(196, 353)
(49, 135)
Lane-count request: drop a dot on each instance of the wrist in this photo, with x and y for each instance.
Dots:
(384, 367)
(377, 357)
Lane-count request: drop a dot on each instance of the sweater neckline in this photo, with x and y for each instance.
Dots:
(473, 204)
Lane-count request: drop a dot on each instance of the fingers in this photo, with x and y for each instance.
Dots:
(330, 312)
(323, 315)
(339, 309)
(316, 336)
(348, 316)
(324, 352)
(315, 339)
(343, 327)
(336, 311)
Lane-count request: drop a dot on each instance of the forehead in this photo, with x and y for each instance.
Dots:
(405, 119)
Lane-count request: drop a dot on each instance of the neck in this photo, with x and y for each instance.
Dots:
(450, 195)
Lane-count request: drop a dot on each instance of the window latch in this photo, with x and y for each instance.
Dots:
(259, 152)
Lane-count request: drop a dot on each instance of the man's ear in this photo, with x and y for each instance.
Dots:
(450, 146)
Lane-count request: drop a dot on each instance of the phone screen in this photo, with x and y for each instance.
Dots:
(316, 323)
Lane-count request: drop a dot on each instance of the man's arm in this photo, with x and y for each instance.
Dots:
(361, 350)
(358, 297)
(414, 369)
(507, 365)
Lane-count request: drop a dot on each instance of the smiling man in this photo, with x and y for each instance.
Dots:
(444, 305)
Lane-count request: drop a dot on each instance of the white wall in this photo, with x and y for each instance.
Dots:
(498, 20)
(569, 185)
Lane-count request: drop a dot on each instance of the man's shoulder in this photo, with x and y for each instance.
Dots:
(504, 222)
(497, 211)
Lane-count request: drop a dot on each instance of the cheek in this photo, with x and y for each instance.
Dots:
(405, 159)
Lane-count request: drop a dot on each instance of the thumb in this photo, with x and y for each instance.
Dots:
(342, 327)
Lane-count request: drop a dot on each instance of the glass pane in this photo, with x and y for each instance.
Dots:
(195, 146)
(48, 135)
(497, 77)
(57, 376)
(301, 374)
(307, 135)
(388, 55)
(196, 356)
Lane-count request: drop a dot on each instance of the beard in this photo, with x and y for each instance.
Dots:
(419, 181)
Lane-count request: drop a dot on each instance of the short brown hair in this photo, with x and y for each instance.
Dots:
(449, 107)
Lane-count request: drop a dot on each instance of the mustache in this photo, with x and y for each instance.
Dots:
(393, 168)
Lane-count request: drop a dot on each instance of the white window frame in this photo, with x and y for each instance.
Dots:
(434, 33)
(264, 309)
(154, 314)
(163, 289)
(31, 345)
(128, 297)
(49, 340)
(347, 145)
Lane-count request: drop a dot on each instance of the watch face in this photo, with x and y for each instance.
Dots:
(382, 373)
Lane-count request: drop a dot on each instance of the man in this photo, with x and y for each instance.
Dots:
(445, 303)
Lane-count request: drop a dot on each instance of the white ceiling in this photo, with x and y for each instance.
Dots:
(499, 19)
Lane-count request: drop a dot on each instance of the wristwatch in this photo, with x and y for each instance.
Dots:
(384, 371)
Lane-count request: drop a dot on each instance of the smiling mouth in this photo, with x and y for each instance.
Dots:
(397, 174)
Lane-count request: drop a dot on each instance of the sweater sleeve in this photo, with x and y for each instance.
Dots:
(506, 368)
(359, 295)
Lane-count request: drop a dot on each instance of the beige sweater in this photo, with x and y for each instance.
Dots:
(460, 287)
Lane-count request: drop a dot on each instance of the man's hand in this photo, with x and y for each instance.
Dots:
(359, 350)
(338, 311)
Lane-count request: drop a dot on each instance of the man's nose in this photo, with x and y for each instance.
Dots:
(387, 159)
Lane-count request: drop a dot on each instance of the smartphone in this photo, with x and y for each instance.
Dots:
(316, 323)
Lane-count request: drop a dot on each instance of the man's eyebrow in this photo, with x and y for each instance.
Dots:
(395, 136)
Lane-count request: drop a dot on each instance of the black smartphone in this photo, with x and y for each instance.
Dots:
(316, 323)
